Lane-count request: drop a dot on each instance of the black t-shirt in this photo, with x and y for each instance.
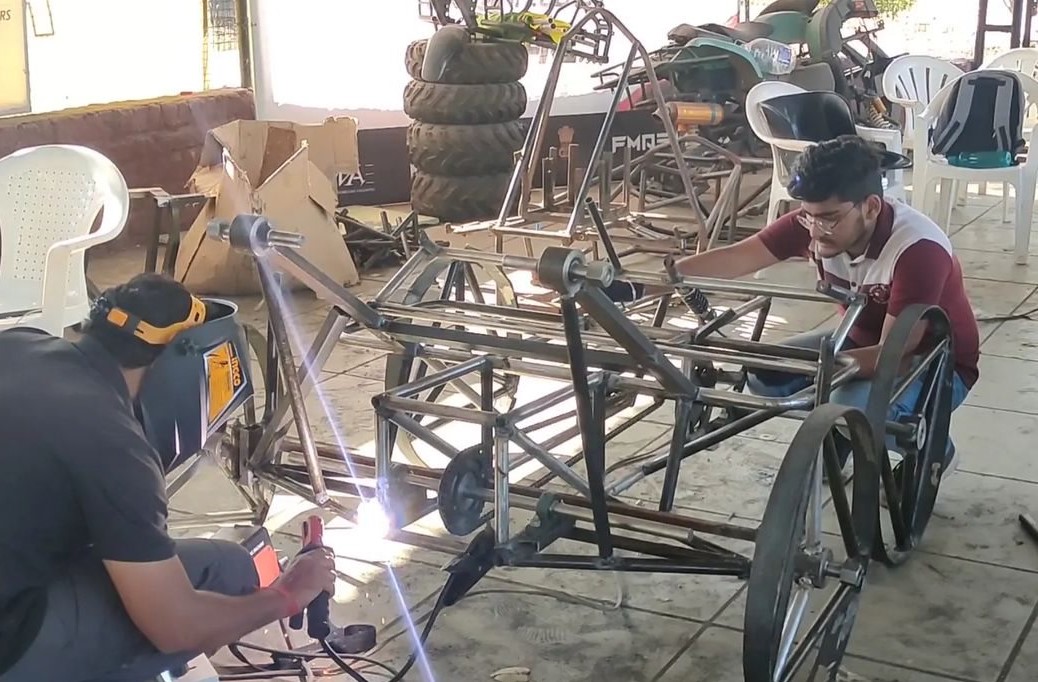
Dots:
(79, 479)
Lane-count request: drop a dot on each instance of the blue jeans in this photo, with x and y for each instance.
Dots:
(854, 393)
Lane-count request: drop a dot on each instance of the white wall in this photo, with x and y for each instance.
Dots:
(112, 50)
(318, 58)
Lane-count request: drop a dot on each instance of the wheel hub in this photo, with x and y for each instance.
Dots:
(920, 433)
(460, 509)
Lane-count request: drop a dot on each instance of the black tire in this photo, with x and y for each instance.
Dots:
(459, 199)
(478, 62)
(464, 104)
(465, 150)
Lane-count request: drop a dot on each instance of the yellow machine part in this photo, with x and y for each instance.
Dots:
(540, 24)
(690, 114)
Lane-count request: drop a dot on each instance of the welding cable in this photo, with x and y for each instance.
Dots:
(597, 604)
(347, 662)
(1011, 317)
(298, 655)
(420, 645)
(341, 660)
(343, 665)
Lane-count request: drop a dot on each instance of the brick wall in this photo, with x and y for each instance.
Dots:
(155, 143)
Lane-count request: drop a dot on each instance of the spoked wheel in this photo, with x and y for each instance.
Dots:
(444, 280)
(916, 438)
(793, 561)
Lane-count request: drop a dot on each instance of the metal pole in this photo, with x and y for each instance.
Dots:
(596, 151)
(591, 435)
(982, 28)
(273, 294)
(501, 468)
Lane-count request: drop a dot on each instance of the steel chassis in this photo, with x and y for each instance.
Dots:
(448, 335)
(564, 216)
(590, 44)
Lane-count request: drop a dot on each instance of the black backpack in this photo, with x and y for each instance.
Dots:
(984, 113)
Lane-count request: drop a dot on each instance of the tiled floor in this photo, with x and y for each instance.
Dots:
(962, 608)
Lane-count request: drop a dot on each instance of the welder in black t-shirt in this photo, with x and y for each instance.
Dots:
(91, 585)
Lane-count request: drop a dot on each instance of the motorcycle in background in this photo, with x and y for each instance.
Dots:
(791, 40)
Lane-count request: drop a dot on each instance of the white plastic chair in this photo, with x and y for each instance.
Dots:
(1022, 60)
(782, 149)
(913, 81)
(1023, 177)
(50, 197)
(759, 125)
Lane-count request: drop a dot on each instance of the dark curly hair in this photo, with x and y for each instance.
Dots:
(847, 168)
(156, 299)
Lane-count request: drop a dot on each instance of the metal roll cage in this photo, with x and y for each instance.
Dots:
(455, 340)
(564, 215)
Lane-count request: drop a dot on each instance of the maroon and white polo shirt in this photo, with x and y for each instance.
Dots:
(909, 260)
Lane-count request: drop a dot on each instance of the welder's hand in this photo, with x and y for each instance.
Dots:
(308, 575)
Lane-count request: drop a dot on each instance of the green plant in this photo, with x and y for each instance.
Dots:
(888, 8)
(892, 8)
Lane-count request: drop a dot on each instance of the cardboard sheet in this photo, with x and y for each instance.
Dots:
(283, 171)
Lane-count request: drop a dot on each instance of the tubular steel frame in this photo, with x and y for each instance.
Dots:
(565, 216)
(591, 45)
(609, 357)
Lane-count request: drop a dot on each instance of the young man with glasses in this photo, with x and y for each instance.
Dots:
(889, 252)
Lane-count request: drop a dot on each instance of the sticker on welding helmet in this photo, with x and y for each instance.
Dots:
(224, 378)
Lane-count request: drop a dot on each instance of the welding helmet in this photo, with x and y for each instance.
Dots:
(198, 380)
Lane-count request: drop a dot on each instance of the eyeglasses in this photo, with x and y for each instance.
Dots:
(823, 226)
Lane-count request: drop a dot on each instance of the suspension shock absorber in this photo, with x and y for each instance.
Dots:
(693, 297)
(698, 302)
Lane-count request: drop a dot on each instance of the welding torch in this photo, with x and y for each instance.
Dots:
(317, 611)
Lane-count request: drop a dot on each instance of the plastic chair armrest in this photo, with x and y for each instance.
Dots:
(791, 145)
(1031, 164)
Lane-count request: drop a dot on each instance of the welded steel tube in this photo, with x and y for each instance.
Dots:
(383, 457)
(579, 509)
(412, 388)
(549, 462)
(422, 432)
(603, 135)
(424, 407)
(548, 400)
(655, 278)
(500, 491)
(757, 355)
(573, 506)
(447, 545)
(699, 444)
(516, 365)
(273, 294)
(406, 270)
(525, 497)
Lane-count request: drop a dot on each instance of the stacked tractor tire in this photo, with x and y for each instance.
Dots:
(466, 129)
